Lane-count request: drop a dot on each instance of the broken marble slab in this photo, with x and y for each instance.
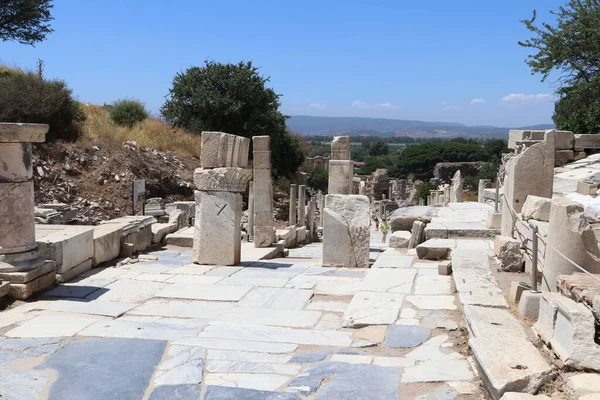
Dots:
(372, 308)
(293, 318)
(247, 381)
(93, 307)
(282, 298)
(228, 366)
(205, 292)
(184, 365)
(163, 329)
(247, 356)
(183, 308)
(237, 345)
(438, 370)
(50, 326)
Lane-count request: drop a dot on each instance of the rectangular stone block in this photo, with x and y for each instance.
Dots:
(346, 231)
(585, 142)
(211, 147)
(340, 148)
(107, 242)
(16, 217)
(243, 148)
(25, 290)
(217, 235)
(587, 188)
(340, 176)
(228, 143)
(222, 179)
(562, 157)
(564, 140)
(22, 133)
(74, 272)
(262, 160)
(264, 236)
(68, 245)
(261, 143)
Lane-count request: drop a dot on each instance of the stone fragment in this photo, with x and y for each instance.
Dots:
(445, 268)
(107, 242)
(438, 371)
(179, 218)
(183, 366)
(237, 345)
(372, 308)
(516, 290)
(405, 336)
(346, 231)
(537, 208)
(509, 252)
(340, 177)
(403, 218)
(584, 384)
(340, 148)
(523, 396)
(400, 239)
(436, 249)
(417, 234)
(456, 191)
(222, 179)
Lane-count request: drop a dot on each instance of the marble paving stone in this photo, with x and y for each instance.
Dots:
(163, 329)
(223, 271)
(195, 279)
(230, 355)
(308, 281)
(12, 349)
(205, 292)
(237, 345)
(261, 297)
(403, 336)
(408, 313)
(269, 271)
(192, 269)
(391, 260)
(432, 350)
(409, 321)
(247, 381)
(230, 393)
(51, 326)
(184, 365)
(278, 334)
(263, 282)
(183, 308)
(393, 362)
(442, 302)
(351, 359)
(153, 277)
(129, 291)
(228, 366)
(351, 273)
(334, 306)
(311, 357)
(392, 280)
(147, 268)
(93, 307)
(73, 290)
(329, 322)
(438, 371)
(372, 308)
(176, 392)
(442, 393)
(375, 333)
(361, 344)
(463, 387)
(425, 265)
(272, 316)
(22, 385)
(100, 368)
(435, 285)
(10, 317)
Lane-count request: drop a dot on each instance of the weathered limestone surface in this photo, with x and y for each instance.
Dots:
(340, 148)
(301, 206)
(572, 235)
(293, 201)
(340, 176)
(400, 239)
(569, 327)
(224, 150)
(137, 231)
(456, 193)
(217, 235)
(509, 252)
(264, 234)
(403, 218)
(187, 207)
(537, 208)
(483, 184)
(529, 173)
(107, 242)
(222, 179)
(346, 231)
(16, 217)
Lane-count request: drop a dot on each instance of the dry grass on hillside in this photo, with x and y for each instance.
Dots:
(151, 133)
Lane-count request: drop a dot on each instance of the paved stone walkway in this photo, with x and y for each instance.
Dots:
(279, 329)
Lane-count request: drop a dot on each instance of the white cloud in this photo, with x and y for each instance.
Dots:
(514, 99)
(379, 106)
(317, 106)
(478, 101)
(451, 108)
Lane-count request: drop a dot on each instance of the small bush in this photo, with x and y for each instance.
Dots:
(27, 98)
(318, 179)
(128, 112)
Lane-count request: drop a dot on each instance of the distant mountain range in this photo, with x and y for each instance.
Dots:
(357, 126)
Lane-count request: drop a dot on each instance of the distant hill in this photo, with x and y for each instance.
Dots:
(382, 127)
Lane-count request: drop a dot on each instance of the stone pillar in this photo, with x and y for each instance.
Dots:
(483, 184)
(301, 205)
(531, 172)
(321, 209)
(293, 200)
(20, 261)
(340, 148)
(264, 234)
(572, 235)
(346, 231)
(310, 221)
(251, 211)
(340, 177)
(432, 195)
(219, 184)
(456, 192)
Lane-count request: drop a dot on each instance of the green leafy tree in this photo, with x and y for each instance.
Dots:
(495, 147)
(318, 179)
(128, 112)
(379, 148)
(25, 21)
(570, 50)
(232, 98)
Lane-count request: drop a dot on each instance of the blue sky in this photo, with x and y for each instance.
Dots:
(433, 60)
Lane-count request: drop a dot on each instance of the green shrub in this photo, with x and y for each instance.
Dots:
(27, 98)
(318, 179)
(128, 112)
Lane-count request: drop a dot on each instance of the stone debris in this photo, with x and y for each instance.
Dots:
(508, 250)
(400, 239)
(537, 208)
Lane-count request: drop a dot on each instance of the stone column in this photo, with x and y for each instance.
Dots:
(20, 261)
(251, 211)
(321, 209)
(264, 234)
(483, 184)
(432, 195)
(530, 172)
(571, 234)
(224, 176)
(341, 169)
(310, 221)
(301, 205)
(293, 200)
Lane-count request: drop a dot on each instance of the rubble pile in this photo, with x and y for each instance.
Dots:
(92, 183)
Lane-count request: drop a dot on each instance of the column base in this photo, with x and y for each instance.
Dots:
(494, 220)
(24, 284)
(21, 262)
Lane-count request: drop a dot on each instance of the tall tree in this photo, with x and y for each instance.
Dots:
(232, 98)
(571, 50)
(25, 21)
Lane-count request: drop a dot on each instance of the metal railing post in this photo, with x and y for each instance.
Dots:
(497, 194)
(534, 259)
